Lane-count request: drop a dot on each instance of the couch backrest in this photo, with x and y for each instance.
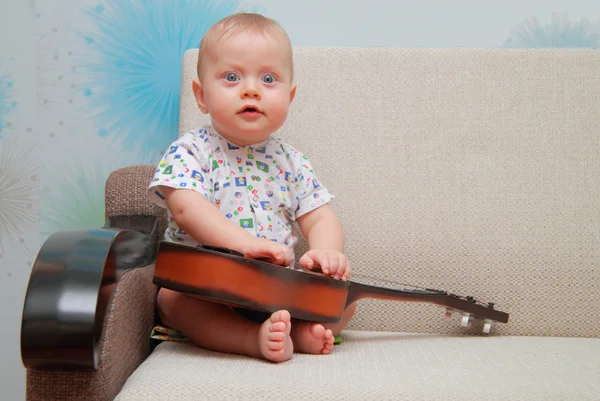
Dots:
(476, 171)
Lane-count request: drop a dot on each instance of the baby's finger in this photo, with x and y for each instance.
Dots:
(334, 266)
(288, 256)
(308, 262)
(321, 260)
(267, 252)
(347, 269)
(283, 256)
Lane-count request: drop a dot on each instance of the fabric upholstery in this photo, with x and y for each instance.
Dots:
(381, 366)
(476, 171)
(125, 194)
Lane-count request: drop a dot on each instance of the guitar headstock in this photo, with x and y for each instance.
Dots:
(471, 308)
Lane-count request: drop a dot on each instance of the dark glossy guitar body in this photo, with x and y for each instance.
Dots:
(225, 276)
(71, 282)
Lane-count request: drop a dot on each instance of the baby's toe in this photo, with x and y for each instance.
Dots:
(277, 327)
(277, 336)
(281, 316)
(319, 331)
(275, 345)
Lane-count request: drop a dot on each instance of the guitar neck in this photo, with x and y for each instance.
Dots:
(358, 291)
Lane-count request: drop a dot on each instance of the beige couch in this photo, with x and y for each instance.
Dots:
(471, 170)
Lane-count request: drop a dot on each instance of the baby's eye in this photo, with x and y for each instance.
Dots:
(231, 77)
(268, 78)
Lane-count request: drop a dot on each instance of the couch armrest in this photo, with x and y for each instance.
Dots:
(125, 337)
(125, 191)
(125, 344)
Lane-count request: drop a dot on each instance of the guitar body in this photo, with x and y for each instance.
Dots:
(224, 276)
(71, 283)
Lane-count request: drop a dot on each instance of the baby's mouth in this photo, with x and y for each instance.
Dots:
(250, 110)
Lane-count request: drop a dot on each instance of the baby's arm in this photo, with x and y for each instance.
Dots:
(323, 231)
(203, 221)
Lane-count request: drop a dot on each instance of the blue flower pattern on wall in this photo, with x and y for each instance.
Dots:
(135, 63)
(559, 33)
(6, 103)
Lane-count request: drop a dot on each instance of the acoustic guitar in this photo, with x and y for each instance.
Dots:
(225, 276)
(76, 272)
(70, 285)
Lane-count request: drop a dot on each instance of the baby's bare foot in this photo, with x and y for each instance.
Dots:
(312, 338)
(274, 337)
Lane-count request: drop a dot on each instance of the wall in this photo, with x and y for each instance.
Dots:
(87, 86)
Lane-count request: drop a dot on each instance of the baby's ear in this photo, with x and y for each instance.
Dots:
(292, 92)
(199, 95)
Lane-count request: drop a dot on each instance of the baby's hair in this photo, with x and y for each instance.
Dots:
(239, 22)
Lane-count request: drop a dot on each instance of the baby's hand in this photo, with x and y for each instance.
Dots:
(332, 263)
(274, 252)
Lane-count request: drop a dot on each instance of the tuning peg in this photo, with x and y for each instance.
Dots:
(487, 326)
(465, 320)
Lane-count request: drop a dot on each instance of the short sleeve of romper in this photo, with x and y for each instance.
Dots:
(309, 192)
(183, 166)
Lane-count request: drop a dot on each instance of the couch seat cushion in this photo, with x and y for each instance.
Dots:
(381, 365)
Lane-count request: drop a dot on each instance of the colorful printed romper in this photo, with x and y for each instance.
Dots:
(264, 187)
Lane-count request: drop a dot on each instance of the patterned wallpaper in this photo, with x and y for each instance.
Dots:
(88, 86)
(561, 32)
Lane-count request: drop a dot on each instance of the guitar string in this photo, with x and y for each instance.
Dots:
(298, 266)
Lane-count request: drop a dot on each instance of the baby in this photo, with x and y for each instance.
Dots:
(232, 184)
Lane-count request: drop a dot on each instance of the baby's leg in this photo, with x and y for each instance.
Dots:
(336, 328)
(317, 338)
(216, 327)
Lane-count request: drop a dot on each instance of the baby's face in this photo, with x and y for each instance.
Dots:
(246, 86)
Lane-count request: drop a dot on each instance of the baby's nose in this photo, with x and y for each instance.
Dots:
(251, 91)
